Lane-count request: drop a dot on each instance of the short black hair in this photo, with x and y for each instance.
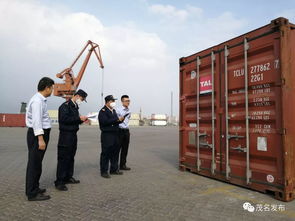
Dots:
(124, 96)
(44, 83)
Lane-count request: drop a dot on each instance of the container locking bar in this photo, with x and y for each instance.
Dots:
(206, 145)
(198, 114)
(203, 135)
(239, 148)
(226, 54)
(246, 48)
(213, 165)
(231, 136)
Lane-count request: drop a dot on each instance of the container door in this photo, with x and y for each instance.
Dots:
(251, 127)
(208, 119)
(200, 122)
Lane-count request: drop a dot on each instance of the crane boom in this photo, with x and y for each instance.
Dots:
(71, 83)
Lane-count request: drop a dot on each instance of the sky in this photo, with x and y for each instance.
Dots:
(141, 42)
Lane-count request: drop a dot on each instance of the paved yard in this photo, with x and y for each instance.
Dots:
(153, 190)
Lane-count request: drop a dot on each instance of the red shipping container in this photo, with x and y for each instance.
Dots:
(12, 120)
(244, 132)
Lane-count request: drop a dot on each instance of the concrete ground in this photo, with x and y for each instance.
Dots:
(153, 190)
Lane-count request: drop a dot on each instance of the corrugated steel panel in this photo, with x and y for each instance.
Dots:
(244, 132)
(12, 120)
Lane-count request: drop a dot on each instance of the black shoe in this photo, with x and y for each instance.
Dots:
(41, 190)
(72, 181)
(105, 175)
(61, 187)
(117, 173)
(39, 197)
(125, 168)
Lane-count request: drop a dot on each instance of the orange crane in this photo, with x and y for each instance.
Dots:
(71, 83)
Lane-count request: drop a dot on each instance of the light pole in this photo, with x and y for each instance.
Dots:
(102, 79)
(171, 114)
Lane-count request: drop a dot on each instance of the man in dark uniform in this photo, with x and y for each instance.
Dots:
(109, 126)
(69, 120)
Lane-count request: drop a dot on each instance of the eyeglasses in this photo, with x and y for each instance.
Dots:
(126, 101)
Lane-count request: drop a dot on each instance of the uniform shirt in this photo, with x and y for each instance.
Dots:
(37, 116)
(69, 117)
(121, 112)
(108, 120)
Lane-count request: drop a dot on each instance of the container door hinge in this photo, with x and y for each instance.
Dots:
(283, 131)
(288, 182)
(182, 98)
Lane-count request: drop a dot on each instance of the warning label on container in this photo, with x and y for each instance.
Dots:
(270, 178)
(192, 125)
(262, 143)
(205, 84)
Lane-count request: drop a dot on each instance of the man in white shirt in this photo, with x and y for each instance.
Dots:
(39, 125)
(124, 134)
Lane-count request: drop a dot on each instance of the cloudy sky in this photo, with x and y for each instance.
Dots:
(141, 42)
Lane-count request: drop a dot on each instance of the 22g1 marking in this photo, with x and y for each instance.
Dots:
(256, 77)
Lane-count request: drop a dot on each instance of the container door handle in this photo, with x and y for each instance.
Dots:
(206, 145)
(227, 168)
(239, 148)
(234, 136)
(246, 48)
(198, 114)
(213, 165)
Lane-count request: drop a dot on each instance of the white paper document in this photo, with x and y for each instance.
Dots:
(92, 116)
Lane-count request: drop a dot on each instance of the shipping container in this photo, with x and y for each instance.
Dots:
(159, 117)
(12, 120)
(237, 101)
(159, 123)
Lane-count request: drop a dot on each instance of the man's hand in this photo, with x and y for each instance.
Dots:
(121, 119)
(41, 143)
(83, 118)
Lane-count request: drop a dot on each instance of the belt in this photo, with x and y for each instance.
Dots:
(124, 129)
(30, 128)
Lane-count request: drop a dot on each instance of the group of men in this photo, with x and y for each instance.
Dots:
(115, 138)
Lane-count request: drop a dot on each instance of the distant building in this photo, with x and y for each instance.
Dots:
(23, 107)
(173, 120)
(159, 120)
(134, 119)
(145, 121)
(53, 114)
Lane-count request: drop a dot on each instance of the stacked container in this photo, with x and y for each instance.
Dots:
(12, 120)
